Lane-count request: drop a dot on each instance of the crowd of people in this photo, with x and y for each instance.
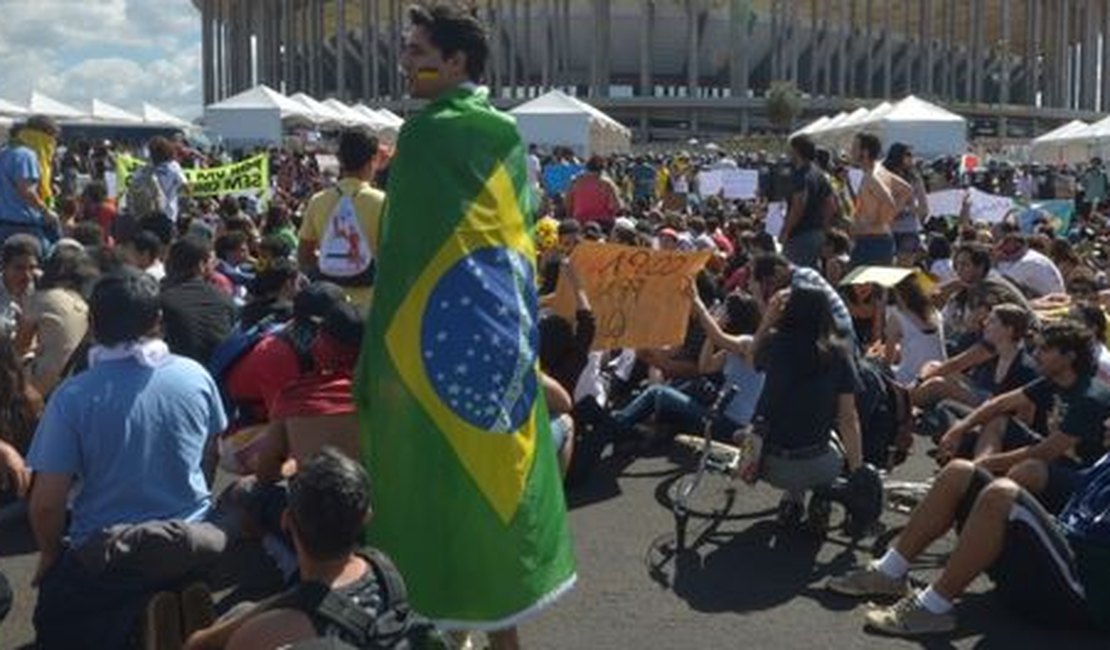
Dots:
(149, 343)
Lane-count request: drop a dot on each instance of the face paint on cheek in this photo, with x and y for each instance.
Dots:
(427, 74)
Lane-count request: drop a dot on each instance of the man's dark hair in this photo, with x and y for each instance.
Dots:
(453, 30)
(978, 254)
(17, 246)
(275, 276)
(124, 307)
(329, 499)
(871, 144)
(356, 148)
(229, 242)
(1093, 317)
(43, 123)
(146, 242)
(69, 267)
(804, 146)
(764, 266)
(1072, 337)
(276, 246)
(161, 150)
(185, 257)
(159, 224)
(88, 233)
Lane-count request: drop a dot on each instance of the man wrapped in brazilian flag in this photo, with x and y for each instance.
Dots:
(467, 494)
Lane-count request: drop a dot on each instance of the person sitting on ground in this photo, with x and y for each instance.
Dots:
(144, 251)
(1042, 566)
(132, 430)
(914, 333)
(559, 408)
(19, 260)
(20, 409)
(56, 321)
(1008, 365)
(1068, 408)
(1094, 318)
(197, 316)
(355, 596)
(317, 409)
(1028, 268)
(271, 294)
(799, 350)
(972, 263)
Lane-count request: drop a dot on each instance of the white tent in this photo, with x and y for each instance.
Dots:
(256, 116)
(11, 109)
(392, 117)
(105, 113)
(381, 124)
(41, 104)
(1069, 143)
(812, 127)
(155, 116)
(559, 120)
(351, 116)
(928, 129)
(323, 114)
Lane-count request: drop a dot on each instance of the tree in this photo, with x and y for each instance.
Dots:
(784, 103)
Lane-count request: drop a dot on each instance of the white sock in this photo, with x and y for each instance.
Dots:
(934, 602)
(893, 564)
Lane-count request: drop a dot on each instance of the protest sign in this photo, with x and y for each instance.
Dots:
(250, 176)
(946, 203)
(855, 178)
(988, 207)
(1059, 213)
(636, 293)
(740, 183)
(557, 178)
(710, 182)
(776, 218)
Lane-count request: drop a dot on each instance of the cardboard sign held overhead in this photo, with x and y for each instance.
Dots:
(636, 294)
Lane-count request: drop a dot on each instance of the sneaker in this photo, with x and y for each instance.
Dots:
(908, 617)
(161, 623)
(869, 581)
(197, 610)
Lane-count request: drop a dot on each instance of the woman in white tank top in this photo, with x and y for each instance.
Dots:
(914, 332)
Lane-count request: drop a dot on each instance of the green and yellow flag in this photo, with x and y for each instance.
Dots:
(467, 494)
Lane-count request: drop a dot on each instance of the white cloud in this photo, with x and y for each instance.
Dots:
(122, 51)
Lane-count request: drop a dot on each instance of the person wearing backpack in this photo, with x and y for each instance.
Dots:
(355, 595)
(339, 236)
(156, 188)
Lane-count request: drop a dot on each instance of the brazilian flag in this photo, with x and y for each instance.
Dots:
(455, 432)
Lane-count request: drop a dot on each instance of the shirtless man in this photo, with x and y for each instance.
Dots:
(882, 196)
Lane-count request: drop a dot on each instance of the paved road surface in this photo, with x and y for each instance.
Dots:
(744, 587)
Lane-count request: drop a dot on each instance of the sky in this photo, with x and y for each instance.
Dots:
(123, 52)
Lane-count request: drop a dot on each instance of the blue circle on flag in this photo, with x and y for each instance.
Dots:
(479, 339)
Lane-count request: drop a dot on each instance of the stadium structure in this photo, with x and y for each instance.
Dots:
(674, 67)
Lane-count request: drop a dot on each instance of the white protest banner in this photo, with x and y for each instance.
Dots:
(776, 218)
(710, 182)
(990, 208)
(740, 183)
(946, 203)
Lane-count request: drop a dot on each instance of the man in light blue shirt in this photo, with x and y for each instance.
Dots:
(130, 434)
(22, 209)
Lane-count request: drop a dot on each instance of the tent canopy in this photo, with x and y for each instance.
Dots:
(323, 114)
(41, 104)
(395, 119)
(557, 119)
(104, 112)
(375, 119)
(10, 108)
(1065, 132)
(154, 115)
(927, 128)
(264, 98)
(812, 127)
(256, 116)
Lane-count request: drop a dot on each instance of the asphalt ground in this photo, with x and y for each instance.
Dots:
(743, 585)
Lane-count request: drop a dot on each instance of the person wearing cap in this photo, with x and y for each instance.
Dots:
(593, 196)
(132, 430)
(25, 190)
(624, 232)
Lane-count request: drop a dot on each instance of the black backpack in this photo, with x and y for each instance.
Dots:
(885, 415)
(397, 627)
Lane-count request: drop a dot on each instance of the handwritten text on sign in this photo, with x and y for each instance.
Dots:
(636, 294)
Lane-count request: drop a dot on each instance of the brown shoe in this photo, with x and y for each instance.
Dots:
(161, 622)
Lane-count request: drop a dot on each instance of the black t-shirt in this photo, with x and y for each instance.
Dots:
(814, 186)
(255, 311)
(197, 317)
(1083, 408)
(800, 403)
(1022, 370)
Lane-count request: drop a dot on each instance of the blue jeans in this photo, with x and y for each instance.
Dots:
(672, 406)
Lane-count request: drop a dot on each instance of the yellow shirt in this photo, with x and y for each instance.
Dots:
(368, 204)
